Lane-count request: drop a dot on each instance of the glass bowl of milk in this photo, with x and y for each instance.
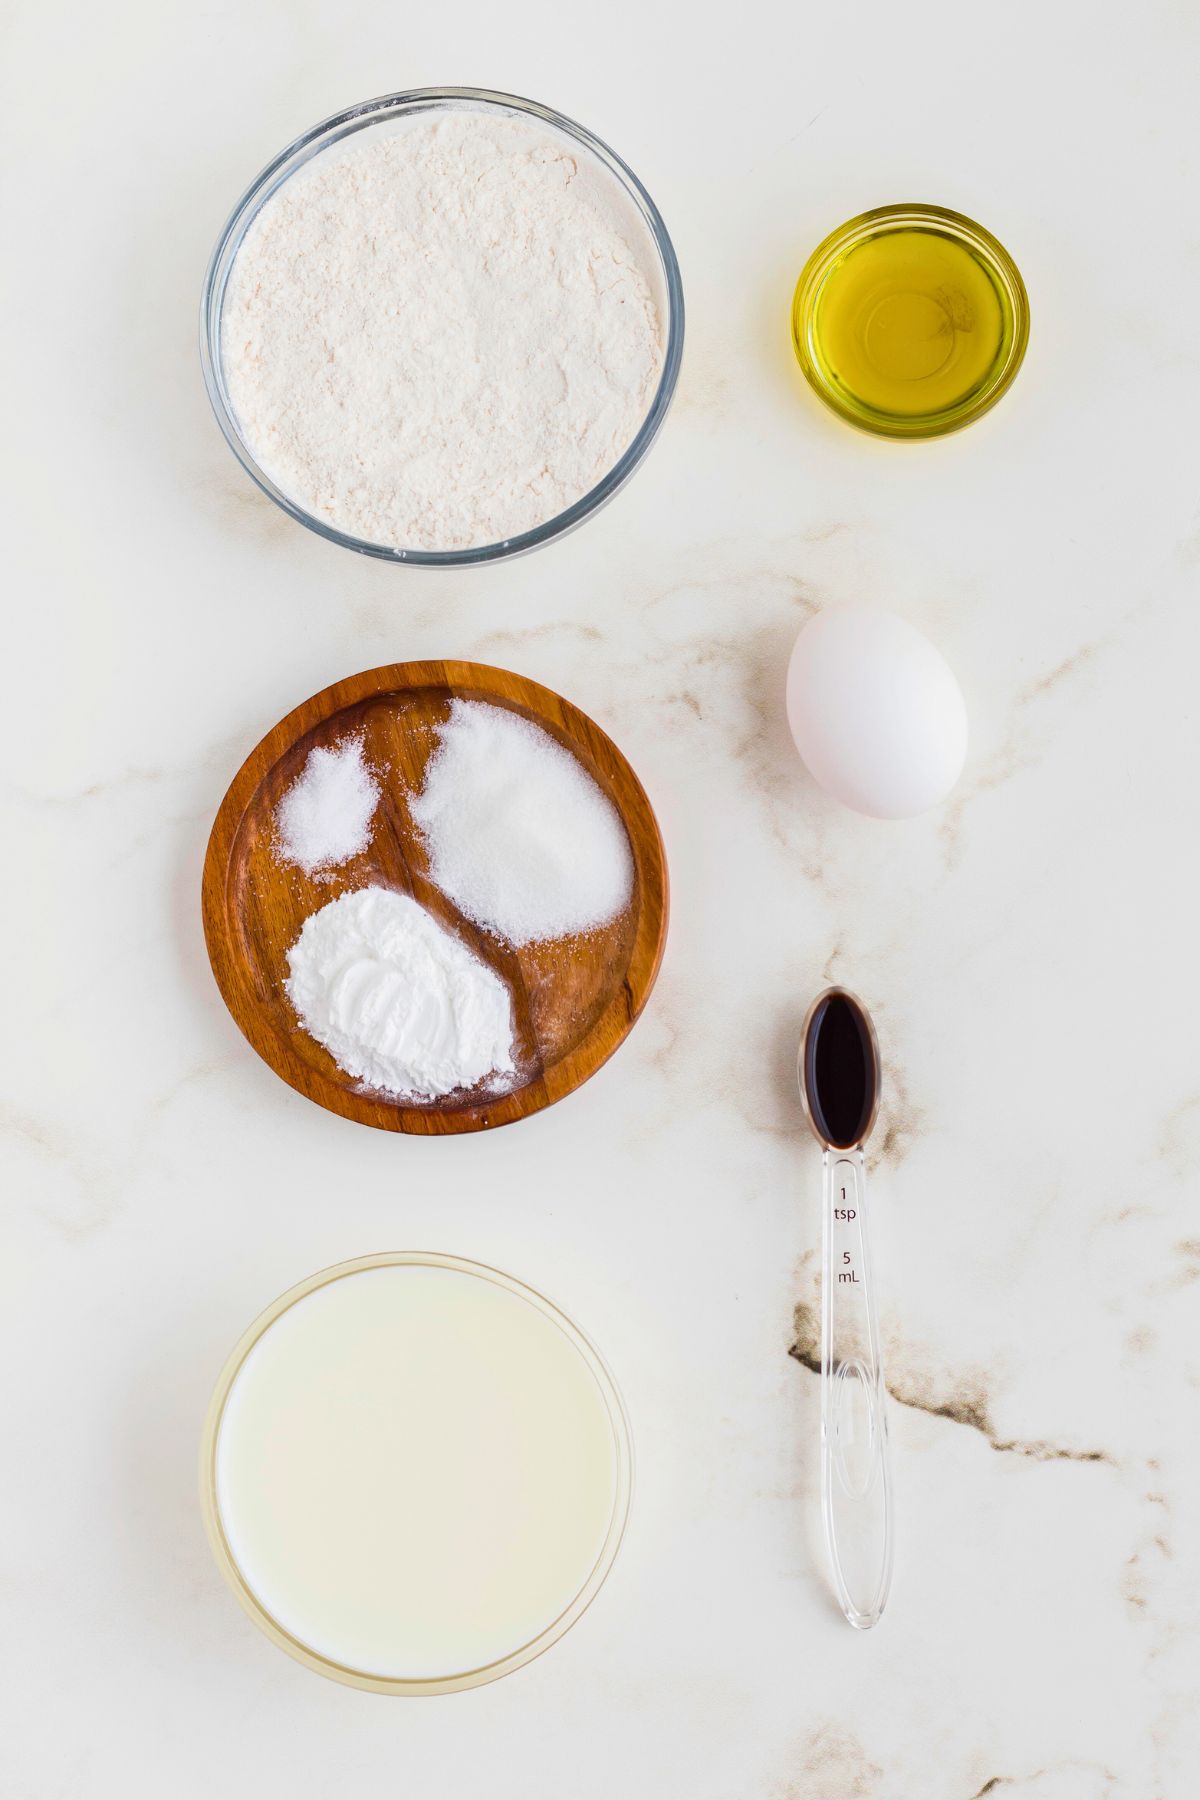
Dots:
(415, 1473)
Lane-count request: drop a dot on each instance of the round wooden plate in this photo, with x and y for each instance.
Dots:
(574, 999)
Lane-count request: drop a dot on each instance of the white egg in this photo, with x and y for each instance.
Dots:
(876, 712)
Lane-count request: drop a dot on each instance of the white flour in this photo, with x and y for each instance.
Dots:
(517, 833)
(445, 336)
(397, 1001)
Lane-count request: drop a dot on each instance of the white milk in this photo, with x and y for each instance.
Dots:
(417, 1470)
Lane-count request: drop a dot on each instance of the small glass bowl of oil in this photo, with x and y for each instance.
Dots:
(910, 321)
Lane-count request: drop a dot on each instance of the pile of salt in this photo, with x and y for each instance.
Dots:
(325, 817)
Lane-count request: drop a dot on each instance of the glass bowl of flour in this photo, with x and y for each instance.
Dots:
(443, 327)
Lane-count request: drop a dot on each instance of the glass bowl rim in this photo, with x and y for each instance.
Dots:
(550, 1634)
(1014, 302)
(336, 128)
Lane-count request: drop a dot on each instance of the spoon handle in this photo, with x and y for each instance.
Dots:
(855, 1482)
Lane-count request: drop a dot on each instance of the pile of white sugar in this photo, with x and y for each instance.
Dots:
(441, 334)
(517, 833)
(397, 1001)
(325, 816)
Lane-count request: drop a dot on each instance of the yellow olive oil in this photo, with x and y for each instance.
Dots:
(910, 321)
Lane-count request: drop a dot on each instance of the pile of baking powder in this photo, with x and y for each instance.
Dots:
(444, 335)
(397, 1001)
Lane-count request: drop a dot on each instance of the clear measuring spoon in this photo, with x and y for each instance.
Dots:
(839, 1083)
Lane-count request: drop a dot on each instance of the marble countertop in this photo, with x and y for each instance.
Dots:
(1027, 950)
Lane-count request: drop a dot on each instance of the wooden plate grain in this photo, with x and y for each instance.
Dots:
(574, 999)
